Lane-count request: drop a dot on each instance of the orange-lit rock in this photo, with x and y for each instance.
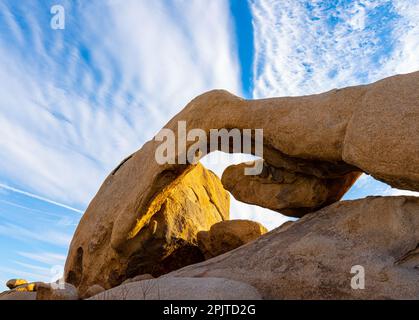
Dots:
(13, 283)
(228, 235)
(163, 240)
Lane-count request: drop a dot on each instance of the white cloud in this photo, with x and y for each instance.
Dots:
(27, 209)
(48, 258)
(65, 123)
(51, 237)
(404, 59)
(42, 270)
(30, 276)
(305, 47)
(34, 196)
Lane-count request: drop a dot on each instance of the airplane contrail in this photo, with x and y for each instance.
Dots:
(34, 196)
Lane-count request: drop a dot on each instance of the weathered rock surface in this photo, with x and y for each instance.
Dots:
(292, 194)
(313, 257)
(182, 289)
(48, 291)
(228, 235)
(20, 290)
(382, 137)
(13, 283)
(141, 277)
(17, 295)
(93, 291)
(162, 240)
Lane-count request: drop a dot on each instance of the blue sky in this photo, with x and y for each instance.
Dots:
(74, 102)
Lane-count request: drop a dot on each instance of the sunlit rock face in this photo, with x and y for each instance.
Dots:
(14, 283)
(166, 241)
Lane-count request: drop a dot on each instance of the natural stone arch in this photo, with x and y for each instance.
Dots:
(316, 135)
(334, 135)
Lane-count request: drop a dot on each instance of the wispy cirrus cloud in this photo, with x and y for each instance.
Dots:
(37, 234)
(48, 258)
(31, 195)
(81, 101)
(404, 57)
(29, 275)
(306, 47)
(32, 210)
